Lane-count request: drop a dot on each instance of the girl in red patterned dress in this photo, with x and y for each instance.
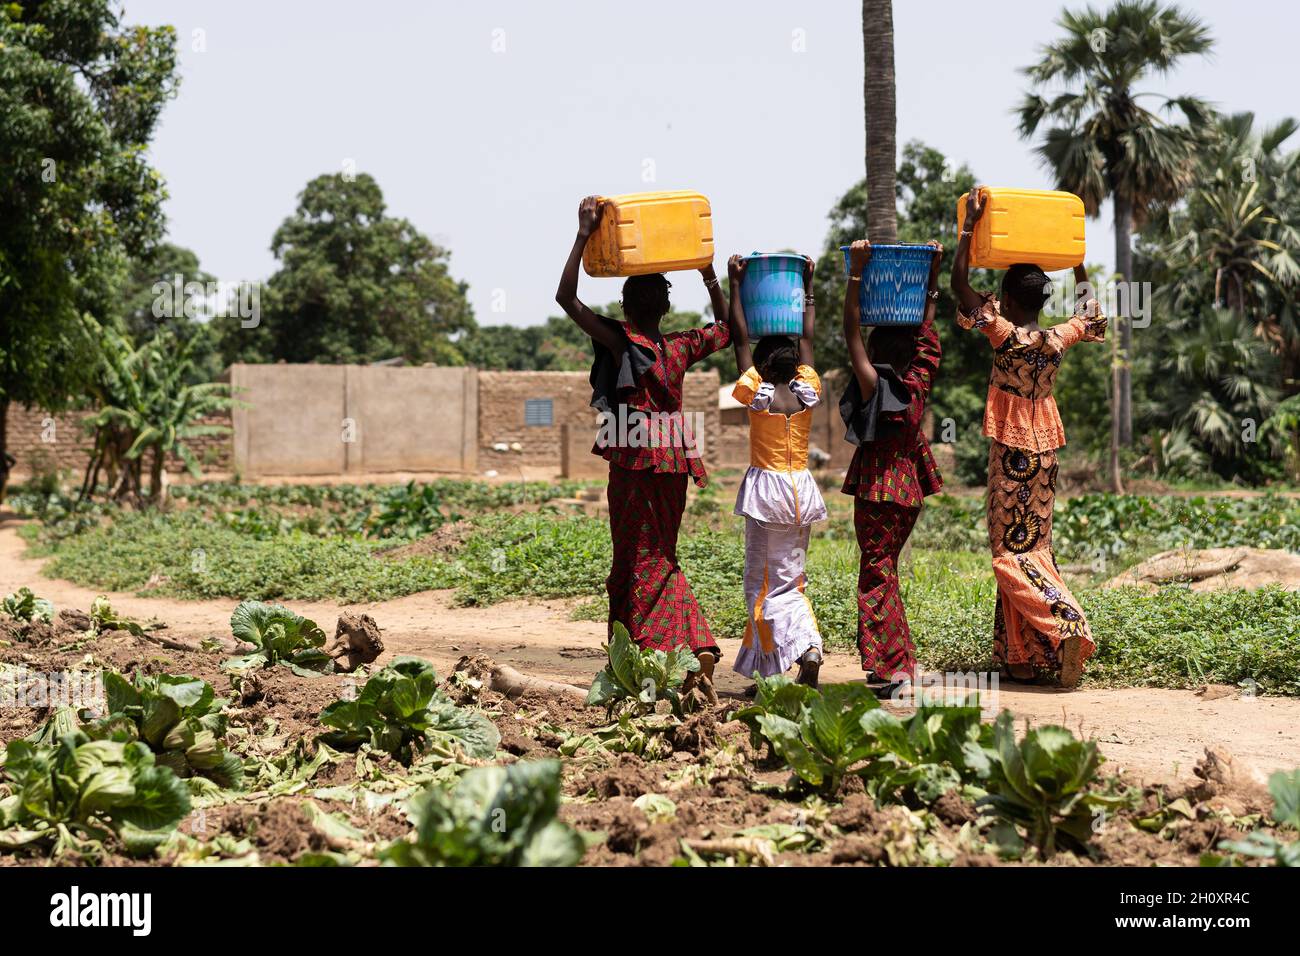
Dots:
(892, 470)
(637, 383)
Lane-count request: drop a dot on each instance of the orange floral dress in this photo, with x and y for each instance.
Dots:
(1035, 610)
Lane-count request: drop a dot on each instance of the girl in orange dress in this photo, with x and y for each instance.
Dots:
(1039, 630)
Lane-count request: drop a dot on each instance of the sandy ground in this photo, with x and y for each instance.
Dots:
(1155, 734)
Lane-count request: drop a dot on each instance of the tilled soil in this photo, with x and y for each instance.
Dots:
(718, 783)
(1152, 733)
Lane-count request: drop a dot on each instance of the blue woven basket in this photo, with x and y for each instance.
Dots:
(894, 284)
(772, 294)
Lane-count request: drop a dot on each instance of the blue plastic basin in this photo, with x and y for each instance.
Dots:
(894, 284)
(773, 294)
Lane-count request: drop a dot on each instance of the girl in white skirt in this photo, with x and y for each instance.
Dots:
(778, 498)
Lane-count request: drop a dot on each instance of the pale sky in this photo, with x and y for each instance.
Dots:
(485, 122)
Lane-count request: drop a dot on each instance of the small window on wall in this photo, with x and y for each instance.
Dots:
(538, 411)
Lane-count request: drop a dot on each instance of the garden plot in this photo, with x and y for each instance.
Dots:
(394, 767)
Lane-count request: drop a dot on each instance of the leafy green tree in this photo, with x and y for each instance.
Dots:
(1224, 265)
(354, 285)
(160, 263)
(79, 101)
(1101, 142)
(144, 315)
(558, 345)
(1234, 241)
(1219, 379)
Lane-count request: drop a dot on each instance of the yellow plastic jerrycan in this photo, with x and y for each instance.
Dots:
(1037, 226)
(650, 232)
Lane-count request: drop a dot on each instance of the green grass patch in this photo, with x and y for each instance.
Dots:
(187, 556)
(1174, 638)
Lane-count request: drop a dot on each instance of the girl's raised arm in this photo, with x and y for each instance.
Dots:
(566, 295)
(809, 319)
(739, 327)
(968, 300)
(859, 256)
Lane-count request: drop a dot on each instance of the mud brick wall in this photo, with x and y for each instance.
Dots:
(501, 402)
(45, 442)
(733, 449)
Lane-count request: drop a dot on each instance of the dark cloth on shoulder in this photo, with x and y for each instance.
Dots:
(608, 378)
(863, 420)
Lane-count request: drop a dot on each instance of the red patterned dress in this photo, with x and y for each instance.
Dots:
(891, 473)
(651, 449)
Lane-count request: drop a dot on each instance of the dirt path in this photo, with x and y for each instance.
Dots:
(1156, 734)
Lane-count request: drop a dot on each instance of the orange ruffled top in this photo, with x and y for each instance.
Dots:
(777, 442)
(778, 488)
(1021, 410)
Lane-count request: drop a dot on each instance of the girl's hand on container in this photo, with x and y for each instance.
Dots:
(736, 267)
(976, 201)
(859, 256)
(589, 211)
(809, 266)
(936, 261)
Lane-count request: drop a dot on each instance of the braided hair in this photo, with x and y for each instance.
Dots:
(892, 345)
(1027, 286)
(777, 358)
(646, 297)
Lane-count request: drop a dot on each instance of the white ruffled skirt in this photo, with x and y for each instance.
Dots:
(780, 497)
(781, 626)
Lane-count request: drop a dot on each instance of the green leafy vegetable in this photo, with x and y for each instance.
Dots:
(777, 695)
(401, 711)
(23, 605)
(89, 786)
(828, 738)
(1285, 788)
(281, 637)
(1042, 785)
(637, 678)
(104, 618)
(181, 719)
(494, 816)
(918, 760)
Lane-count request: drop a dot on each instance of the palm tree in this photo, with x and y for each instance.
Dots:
(881, 119)
(1221, 377)
(1102, 143)
(1234, 241)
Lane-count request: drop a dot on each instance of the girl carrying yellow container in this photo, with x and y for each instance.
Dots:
(778, 497)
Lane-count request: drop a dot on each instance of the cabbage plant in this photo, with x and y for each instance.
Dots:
(636, 678)
(280, 637)
(493, 816)
(401, 711)
(181, 719)
(89, 787)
